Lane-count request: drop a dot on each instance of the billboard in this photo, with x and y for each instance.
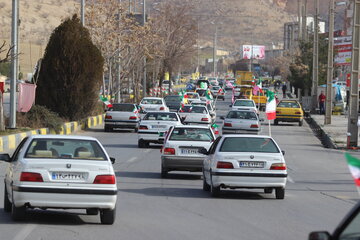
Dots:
(342, 49)
(253, 52)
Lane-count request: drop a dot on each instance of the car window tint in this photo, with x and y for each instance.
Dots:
(288, 105)
(166, 116)
(198, 109)
(242, 115)
(246, 144)
(151, 101)
(18, 150)
(244, 104)
(214, 145)
(172, 99)
(123, 107)
(352, 231)
(193, 95)
(65, 148)
(191, 134)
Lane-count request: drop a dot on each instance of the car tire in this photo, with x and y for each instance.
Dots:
(18, 213)
(164, 172)
(107, 129)
(107, 216)
(206, 186)
(7, 203)
(280, 193)
(268, 190)
(92, 211)
(141, 143)
(301, 123)
(136, 130)
(276, 122)
(215, 191)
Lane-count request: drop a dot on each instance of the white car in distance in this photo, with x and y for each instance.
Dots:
(197, 115)
(154, 125)
(61, 172)
(244, 161)
(122, 115)
(244, 104)
(149, 104)
(181, 148)
(241, 121)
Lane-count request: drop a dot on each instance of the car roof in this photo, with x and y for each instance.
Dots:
(289, 101)
(245, 136)
(192, 126)
(242, 110)
(244, 100)
(152, 98)
(53, 136)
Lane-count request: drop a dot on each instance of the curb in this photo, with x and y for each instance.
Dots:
(324, 138)
(10, 142)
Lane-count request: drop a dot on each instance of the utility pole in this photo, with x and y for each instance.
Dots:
(304, 21)
(315, 70)
(83, 12)
(214, 50)
(299, 19)
(14, 61)
(330, 68)
(354, 85)
(118, 94)
(144, 77)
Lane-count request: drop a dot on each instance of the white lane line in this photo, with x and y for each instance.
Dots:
(290, 179)
(147, 150)
(25, 232)
(132, 159)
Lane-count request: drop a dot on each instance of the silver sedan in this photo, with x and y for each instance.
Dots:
(241, 121)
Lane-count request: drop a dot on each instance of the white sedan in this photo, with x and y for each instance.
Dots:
(244, 104)
(149, 104)
(195, 115)
(154, 125)
(63, 172)
(244, 161)
(241, 121)
(181, 148)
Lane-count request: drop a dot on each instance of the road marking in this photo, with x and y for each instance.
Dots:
(290, 179)
(25, 232)
(147, 150)
(133, 159)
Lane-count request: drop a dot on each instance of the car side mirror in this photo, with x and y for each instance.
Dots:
(283, 152)
(222, 117)
(112, 160)
(203, 151)
(319, 236)
(5, 157)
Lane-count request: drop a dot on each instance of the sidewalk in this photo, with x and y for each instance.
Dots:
(336, 130)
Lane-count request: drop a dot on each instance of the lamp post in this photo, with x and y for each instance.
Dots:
(315, 71)
(144, 76)
(330, 68)
(214, 50)
(83, 12)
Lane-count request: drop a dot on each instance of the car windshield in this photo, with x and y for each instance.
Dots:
(198, 109)
(172, 99)
(242, 115)
(244, 104)
(201, 92)
(216, 88)
(289, 105)
(151, 101)
(65, 148)
(352, 230)
(249, 144)
(193, 95)
(166, 116)
(191, 134)
(123, 107)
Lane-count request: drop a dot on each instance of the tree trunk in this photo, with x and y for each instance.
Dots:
(2, 121)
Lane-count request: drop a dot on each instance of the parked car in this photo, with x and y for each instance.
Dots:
(348, 228)
(241, 121)
(244, 161)
(244, 104)
(195, 115)
(62, 172)
(154, 125)
(289, 111)
(122, 115)
(181, 148)
(173, 102)
(153, 104)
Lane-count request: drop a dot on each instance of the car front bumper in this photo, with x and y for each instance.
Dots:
(193, 164)
(66, 198)
(248, 180)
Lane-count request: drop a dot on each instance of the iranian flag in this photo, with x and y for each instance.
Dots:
(208, 95)
(184, 98)
(354, 166)
(106, 102)
(270, 105)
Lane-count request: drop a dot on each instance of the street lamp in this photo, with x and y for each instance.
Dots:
(83, 12)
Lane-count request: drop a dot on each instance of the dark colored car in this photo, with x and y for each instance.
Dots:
(173, 102)
(349, 228)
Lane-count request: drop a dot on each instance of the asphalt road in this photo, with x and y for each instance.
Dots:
(320, 191)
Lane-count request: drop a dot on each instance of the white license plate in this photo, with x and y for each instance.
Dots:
(158, 126)
(248, 164)
(63, 176)
(189, 151)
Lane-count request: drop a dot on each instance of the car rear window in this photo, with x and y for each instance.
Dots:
(123, 107)
(244, 104)
(151, 101)
(191, 134)
(66, 149)
(242, 115)
(288, 105)
(166, 116)
(193, 95)
(172, 99)
(247, 144)
(201, 92)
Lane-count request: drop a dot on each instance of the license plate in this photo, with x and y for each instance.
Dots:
(247, 164)
(189, 151)
(158, 126)
(63, 176)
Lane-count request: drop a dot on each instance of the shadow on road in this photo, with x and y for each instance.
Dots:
(120, 145)
(156, 175)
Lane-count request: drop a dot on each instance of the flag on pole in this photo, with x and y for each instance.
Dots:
(215, 128)
(208, 95)
(257, 87)
(106, 102)
(270, 105)
(354, 166)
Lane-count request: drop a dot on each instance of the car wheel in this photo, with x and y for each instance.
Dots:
(107, 216)
(92, 211)
(206, 186)
(164, 172)
(136, 130)
(280, 193)
(141, 143)
(301, 123)
(18, 213)
(107, 129)
(215, 191)
(7, 203)
(276, 122)
(268, 190)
